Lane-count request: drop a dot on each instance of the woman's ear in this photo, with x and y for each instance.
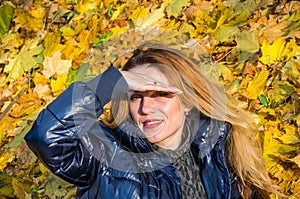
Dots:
(187, 109)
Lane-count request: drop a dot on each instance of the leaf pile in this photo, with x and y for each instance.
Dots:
(45, 46)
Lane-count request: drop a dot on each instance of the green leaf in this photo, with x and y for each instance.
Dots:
(110, 10)
(241, 6)
(6, 189)
(60, 13)
(175, 8)
(247, 41)
(225, 32)
(79, 74)
(19, 138)
(102, 37)
(241, 18)
(263, 100)
(55, 187)
(292, 70)
(280, 91)
(25, 60)
(6, 14)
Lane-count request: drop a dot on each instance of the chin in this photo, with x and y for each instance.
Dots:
(153, 140)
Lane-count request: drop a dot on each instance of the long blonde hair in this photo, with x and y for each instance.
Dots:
(242, 152)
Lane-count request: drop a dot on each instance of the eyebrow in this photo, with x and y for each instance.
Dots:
(148, 91)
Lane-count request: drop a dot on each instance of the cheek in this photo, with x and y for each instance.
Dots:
(175, 108)
(133, 110)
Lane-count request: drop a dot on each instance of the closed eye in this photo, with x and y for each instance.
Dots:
(135, 97)
(162, 94)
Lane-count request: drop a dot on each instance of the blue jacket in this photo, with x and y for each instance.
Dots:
(114, 163)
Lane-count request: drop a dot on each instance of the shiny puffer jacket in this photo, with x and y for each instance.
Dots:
(114, 163)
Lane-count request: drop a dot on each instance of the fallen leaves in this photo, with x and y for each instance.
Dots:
(32, 19)
(139, 13)
(5, 160)
(55, 65)
(152, 19)
(6, 15)
(175, 7)
(52, 43)
(256, 86)
(25, 60)
(46, 46)
(280, 50)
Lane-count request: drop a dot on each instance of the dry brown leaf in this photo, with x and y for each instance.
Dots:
(55, 65)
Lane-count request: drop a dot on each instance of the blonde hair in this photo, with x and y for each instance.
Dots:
(242, 153)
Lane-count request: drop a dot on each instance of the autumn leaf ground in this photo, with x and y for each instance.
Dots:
(46, 45)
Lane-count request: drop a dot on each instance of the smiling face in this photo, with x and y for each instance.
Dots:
(157, 109)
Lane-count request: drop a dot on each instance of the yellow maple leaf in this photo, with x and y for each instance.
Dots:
(291, 49)
(151, 19)
(86, 8)
(118, 11)
(38, 78)
(58, 84)
(55, 65)
(7, 125)
(172, 24)
(139, 13)
(5, 159)
(52, 43)
(33, 19)
(69, 31)
(94, 26)
(291, 136)
(76, 49)
(279, 49)
(25, 105)
(270, 145)
(118, 30)
(256, 86)
(72, 49)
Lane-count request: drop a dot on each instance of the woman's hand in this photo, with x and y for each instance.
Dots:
(145, 78)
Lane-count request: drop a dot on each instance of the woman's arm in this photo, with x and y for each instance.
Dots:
(66, 132)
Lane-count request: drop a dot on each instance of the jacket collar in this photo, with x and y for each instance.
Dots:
(205, 132)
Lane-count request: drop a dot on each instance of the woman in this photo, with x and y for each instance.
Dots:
(170, 134)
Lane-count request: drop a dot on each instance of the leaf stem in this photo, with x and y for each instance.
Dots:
(12, 103)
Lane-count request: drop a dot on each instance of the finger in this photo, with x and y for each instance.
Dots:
(141, 78)
(158, 87)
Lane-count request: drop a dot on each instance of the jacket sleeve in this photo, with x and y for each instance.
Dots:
(66, 133)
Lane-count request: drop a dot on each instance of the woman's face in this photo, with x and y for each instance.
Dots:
(156, 107)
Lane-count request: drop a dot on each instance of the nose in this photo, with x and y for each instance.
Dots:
(147, 105)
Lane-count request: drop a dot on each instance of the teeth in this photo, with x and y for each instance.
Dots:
(153, 122)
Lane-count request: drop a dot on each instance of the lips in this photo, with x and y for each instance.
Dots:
(151, 123)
